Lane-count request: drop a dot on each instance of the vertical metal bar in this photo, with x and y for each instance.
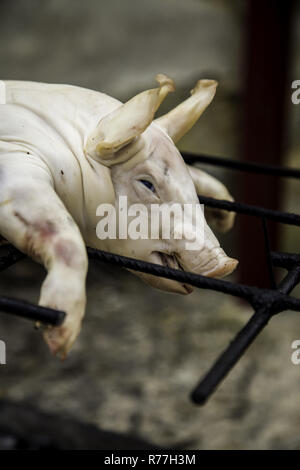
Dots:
(240, 344)
(268, 253)
(230, 356)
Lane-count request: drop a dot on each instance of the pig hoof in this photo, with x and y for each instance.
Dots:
(67, 295)
(60, 339)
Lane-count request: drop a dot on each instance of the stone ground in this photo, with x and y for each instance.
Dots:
(142, 351)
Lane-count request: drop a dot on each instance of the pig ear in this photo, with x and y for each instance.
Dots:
(207, 185)
(182, 118)
(122, 125)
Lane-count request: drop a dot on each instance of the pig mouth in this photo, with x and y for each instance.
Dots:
(171, 261)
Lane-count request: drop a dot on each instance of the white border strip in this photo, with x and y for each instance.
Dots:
(2, 92)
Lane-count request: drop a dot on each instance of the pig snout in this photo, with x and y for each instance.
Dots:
(218, 266)
(206, 257)
(209, 262)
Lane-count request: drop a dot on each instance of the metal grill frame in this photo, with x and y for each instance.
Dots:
(265, 302)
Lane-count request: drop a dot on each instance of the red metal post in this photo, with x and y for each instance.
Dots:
(266, 87)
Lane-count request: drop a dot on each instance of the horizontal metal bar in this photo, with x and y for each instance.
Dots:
(241, 208)
(285, 260)
(253, 167)
(249, 293)
(254, 295)
(25, 309)
(195, 280)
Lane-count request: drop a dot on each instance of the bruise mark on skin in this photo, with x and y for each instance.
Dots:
(36, 235)
(66, 251)
(45, 228)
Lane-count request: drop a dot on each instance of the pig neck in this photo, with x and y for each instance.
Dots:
(97, 188)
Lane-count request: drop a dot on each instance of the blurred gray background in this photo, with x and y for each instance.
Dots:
(141, 351)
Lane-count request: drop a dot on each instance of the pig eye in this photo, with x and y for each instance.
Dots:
(148, 185)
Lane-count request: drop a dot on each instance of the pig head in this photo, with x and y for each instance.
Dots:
(147, 168)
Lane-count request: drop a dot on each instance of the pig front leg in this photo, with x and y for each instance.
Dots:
(34, 219)
(207, 185)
